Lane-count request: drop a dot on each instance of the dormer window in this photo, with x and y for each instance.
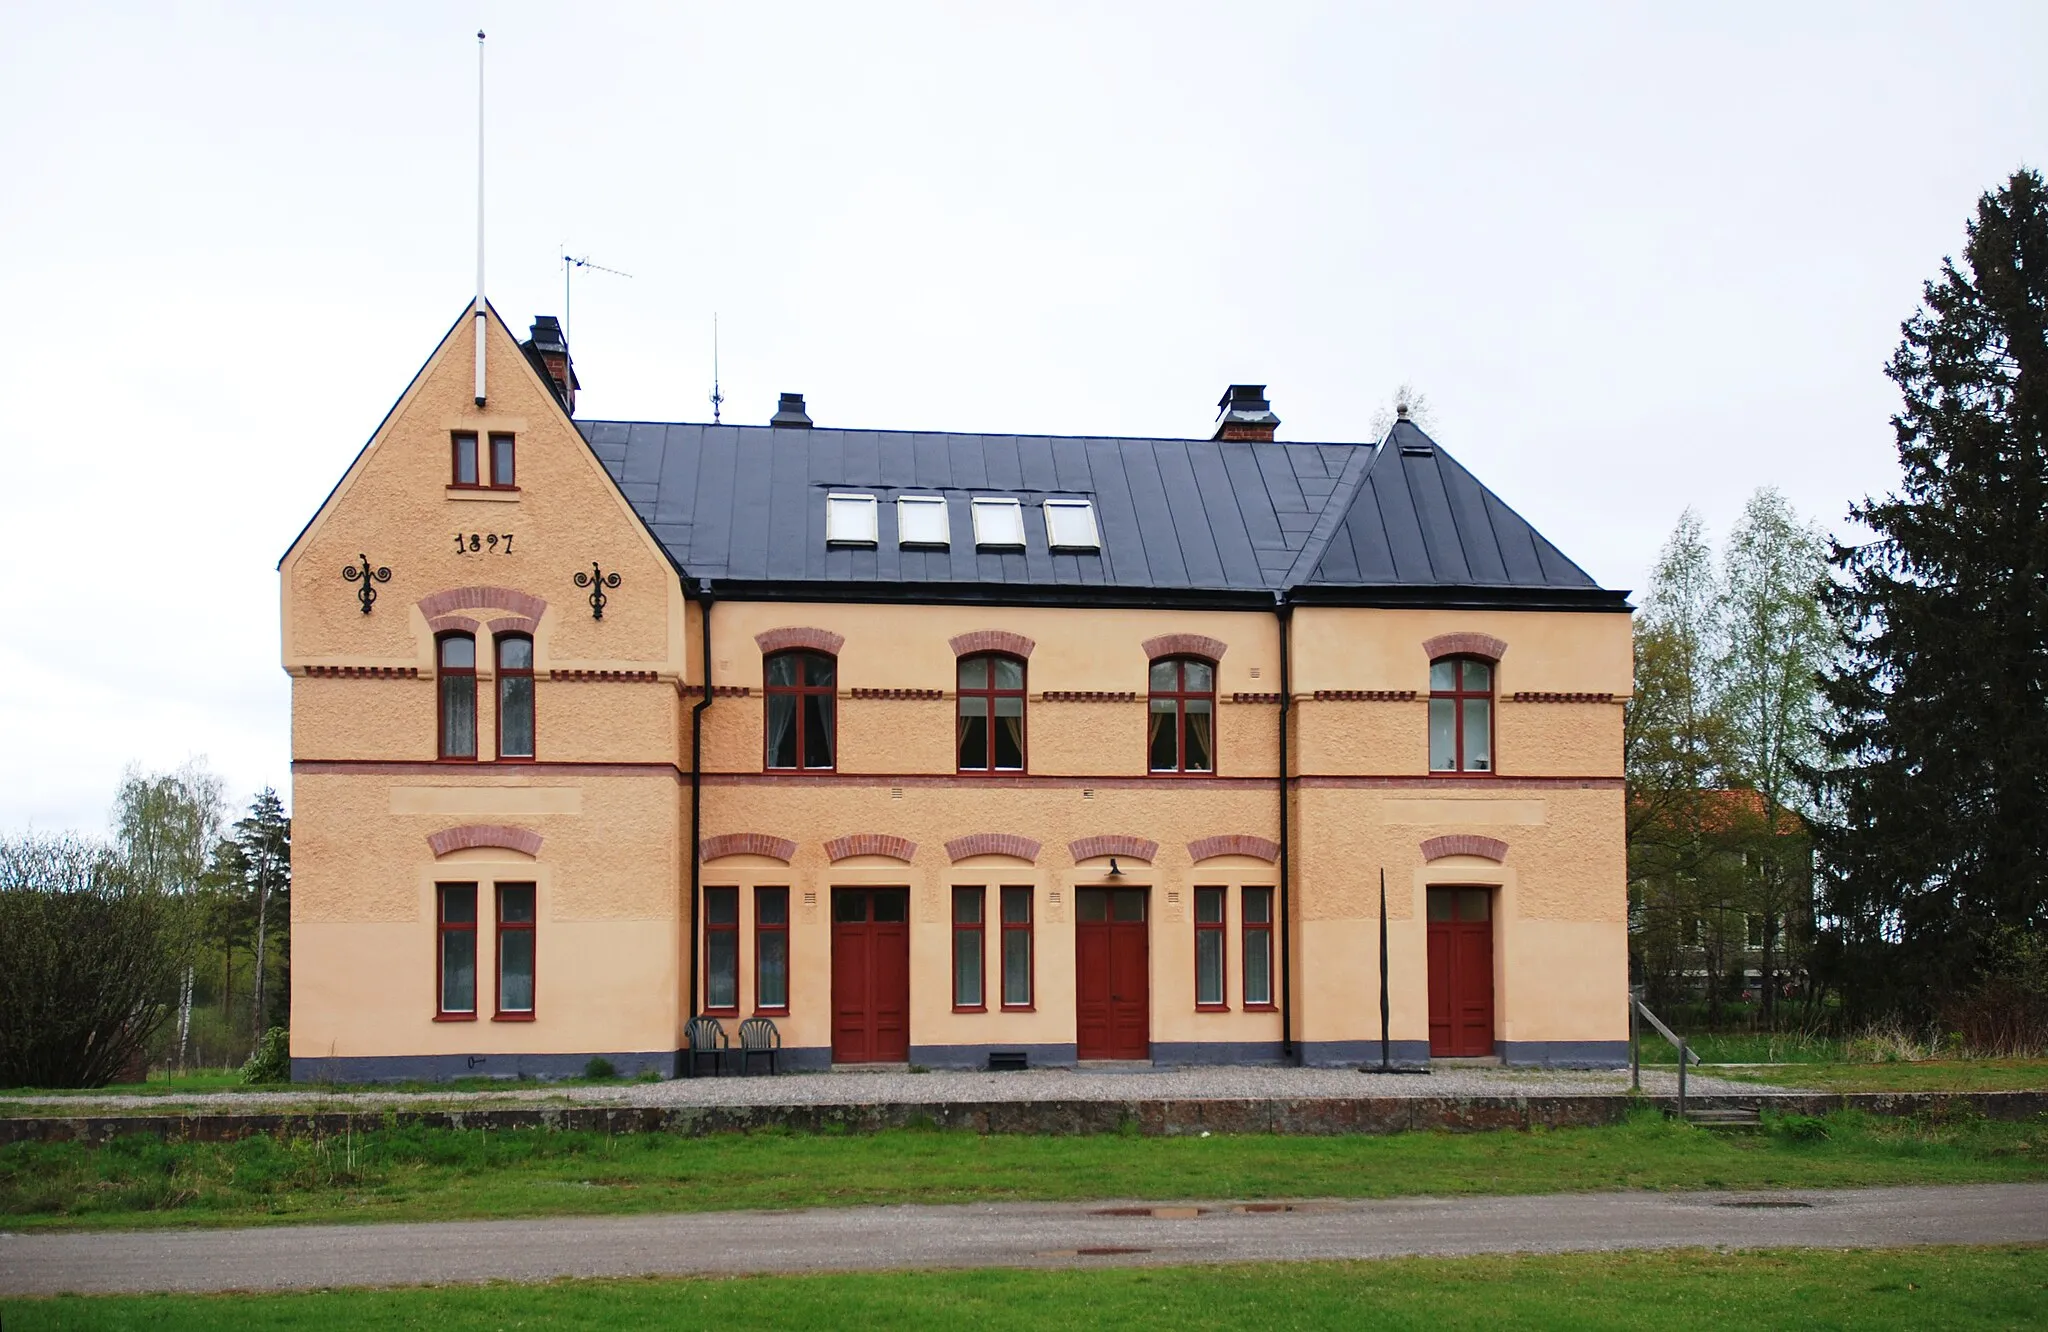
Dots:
(850, 520)
(921, 520)
(998, 524)
(491, 468)
(1070, 525)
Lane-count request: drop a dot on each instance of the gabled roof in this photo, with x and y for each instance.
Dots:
(1230, 521)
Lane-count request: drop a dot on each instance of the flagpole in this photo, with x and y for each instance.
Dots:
(481, 319)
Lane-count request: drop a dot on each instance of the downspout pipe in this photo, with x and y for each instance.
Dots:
(704, 599)
(1284, 614)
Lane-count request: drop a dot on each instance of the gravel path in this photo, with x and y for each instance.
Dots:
(1094, 1234)
(862, 1088)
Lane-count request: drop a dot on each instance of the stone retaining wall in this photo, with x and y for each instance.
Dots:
(1151, 1118)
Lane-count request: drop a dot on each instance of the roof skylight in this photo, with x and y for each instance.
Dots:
(1070, 525)
(921, 520)
(998, 523)
(850, 520)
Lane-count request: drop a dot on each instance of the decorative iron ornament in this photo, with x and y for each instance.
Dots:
(597, 580)
(369, 578)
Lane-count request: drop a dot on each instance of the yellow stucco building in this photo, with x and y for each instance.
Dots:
(936, 748)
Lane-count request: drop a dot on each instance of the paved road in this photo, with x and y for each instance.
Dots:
(1009, 1235)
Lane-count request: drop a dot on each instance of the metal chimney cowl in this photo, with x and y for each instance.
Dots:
(1243, 413)
(790, 414)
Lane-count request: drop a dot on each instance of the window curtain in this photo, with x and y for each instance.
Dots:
(1009, 733)
(782, 730)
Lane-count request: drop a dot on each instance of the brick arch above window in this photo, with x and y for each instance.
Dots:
(453, 624)
(870, 844)
(991, 640)
(1185, 645)
(1465, 644)
(440, 603)
(1234, 844)
(514, 624)
(1113, 844)
(1465, 844)
(747, 844)
(993, 844)
(800, 636)
(503, 835)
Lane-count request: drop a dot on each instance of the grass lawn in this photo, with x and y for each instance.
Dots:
(1926, 1075)
(420, 1174)
(1906, 1288)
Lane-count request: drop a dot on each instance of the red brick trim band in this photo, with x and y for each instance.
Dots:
(992, 640)
(728, 691)
(1088, 696)
(1465, 645)
(467, 835)
(870, 844)
(1255, 698)
(1234, 844)
(483, 598)
(363, 672)
(1364, 695)
(747, 844)
(1465, 844)
(1113, 844)
(514, 624)
(1538, 696)
(925, 695)
(605, 677)
(801, 636)
(453, 624)
(993, 844)
(1185, 645)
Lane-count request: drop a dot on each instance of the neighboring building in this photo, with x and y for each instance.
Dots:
(933, 746)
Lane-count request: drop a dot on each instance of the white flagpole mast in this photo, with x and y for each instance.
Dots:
(481, 319)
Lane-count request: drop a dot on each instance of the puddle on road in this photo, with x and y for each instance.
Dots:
(1096, 1251)
(1156, 1213)
(1763, 1202)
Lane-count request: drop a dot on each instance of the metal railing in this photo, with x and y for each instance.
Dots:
(1686, 1054)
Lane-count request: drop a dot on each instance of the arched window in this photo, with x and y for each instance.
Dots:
(1460, 715)
(515, 696)
(455, 655)
(991, 713)
(1182, 737)
(801, 687)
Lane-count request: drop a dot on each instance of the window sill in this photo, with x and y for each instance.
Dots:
(515, 758)
(976, 1008)
(1020, 1008)
(719, 1012)
(1470, 772)
(454, 1017)
(494, 494)
(1180, 772)
(1262, 1008)
(512, 1017)
(456, 758)
(1212, 1008)
(771, 1012)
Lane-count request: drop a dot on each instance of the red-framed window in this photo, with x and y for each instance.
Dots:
(1017, 946)
(771, 950)
(969, 980)
(801, 690)
(491, 469)
(516, 953)
(1182, 726)
(1461, 715)
(515, 696)
(990, 734)
(455, 655)
(722, 950)
(1210, 992)
(1255, 905)
(455, 952)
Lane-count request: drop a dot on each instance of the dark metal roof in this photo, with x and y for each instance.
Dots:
(744, 506)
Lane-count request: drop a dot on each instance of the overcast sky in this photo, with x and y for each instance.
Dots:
(1637, 256)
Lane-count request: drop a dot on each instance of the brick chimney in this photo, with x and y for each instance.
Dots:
(1243, 413)
(790, 414)
(548, 349)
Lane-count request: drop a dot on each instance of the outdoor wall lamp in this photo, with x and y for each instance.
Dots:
(1114, 872)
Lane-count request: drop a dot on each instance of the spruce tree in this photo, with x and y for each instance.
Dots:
(1938, 787)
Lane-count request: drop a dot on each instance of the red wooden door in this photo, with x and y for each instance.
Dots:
(1460, 972)
(870, 975)
(1113, 970)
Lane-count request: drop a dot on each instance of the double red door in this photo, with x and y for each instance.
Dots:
(870, 975)
(1113, 966)
(1460, 972)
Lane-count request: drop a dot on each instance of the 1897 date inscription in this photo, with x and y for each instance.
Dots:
(483, 543)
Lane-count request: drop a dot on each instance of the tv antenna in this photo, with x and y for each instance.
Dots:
(569, 266)
(717, 398)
